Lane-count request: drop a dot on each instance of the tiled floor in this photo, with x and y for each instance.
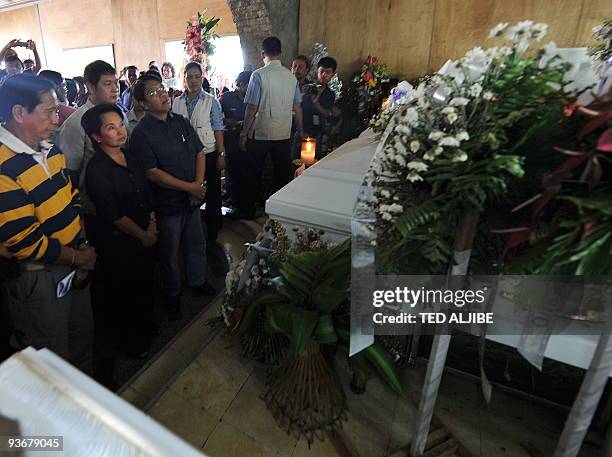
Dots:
(204, 391)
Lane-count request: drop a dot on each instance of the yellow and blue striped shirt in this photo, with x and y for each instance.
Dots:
(38, 204)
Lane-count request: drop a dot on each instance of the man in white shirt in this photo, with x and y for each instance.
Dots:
(272, 97)
(103, 87)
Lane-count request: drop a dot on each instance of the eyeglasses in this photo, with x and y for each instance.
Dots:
(157, 92)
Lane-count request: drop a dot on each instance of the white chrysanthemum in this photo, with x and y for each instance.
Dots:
(411, 117)
(451, 118)
(436, 135)
(399, 147)
(438, 150)
(460, 156)
(429, 156)
(396, 208)
(373, 243)
(505, 50)
(475, 90)
(462, 136)
(448, 110)
(385, 193)
(449, 141)
(459, 101)
(400, 160)
(415, 146)
(488, 95)
(417, 166)
(414, 177)
(498, 29)
(386, 216)
(519, 31)
(403, 129)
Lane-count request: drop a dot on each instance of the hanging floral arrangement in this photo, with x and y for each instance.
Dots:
(198, 37)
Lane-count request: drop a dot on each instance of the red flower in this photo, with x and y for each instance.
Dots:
(368, 75)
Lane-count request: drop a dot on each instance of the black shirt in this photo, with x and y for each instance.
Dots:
(117, 191)
(314, 123)
(171, 146)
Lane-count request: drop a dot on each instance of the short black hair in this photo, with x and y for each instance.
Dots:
(96, 69)
(71, 90)
(28, 61)
(131, 67)
(154, 73)
(191, 65)
(271, 46)
(13, 58)
(205, 85)
(244, 77)
(25, 90)
(53, 76)
(138, 91)
(305, 59)
(92, 118)
(328, 62)
(170, 66)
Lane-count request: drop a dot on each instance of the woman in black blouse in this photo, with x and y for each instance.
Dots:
(126, 232)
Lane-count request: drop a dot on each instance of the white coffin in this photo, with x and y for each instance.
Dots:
(324, 195)
(49, 397)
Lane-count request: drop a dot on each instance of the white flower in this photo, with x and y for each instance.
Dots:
(414, 177)
(498, 29)
(475, 90)
(439, 150)
(411, 117)
(429, 156)
(462, 136)
(385, 193)
(423, 102)
(460, 156)
(519, 31)
(386, 216)
(449, 141)
(399, 147)
(414, 146)
(373, 243)
(451, 118)
(505, 50)
(488, 95)
(400, 160)
(436, 135)
(549, 52)
(417, 166)
(459, 101)
(448, 110)
(539, 30)
(396, 208)
(403, 129)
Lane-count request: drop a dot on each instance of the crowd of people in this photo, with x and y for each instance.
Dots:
(103, 176)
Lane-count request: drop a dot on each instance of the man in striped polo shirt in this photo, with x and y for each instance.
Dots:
(40, 229)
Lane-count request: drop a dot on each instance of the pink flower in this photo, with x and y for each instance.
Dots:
(368, 75)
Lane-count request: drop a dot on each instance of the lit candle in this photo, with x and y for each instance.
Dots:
(309, 147)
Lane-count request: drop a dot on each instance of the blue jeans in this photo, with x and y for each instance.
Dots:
(184, 229)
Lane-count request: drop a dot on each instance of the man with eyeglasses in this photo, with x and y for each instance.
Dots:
(40, 229)
(173, 157)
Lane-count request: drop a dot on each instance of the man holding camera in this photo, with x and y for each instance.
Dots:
(12, 63)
